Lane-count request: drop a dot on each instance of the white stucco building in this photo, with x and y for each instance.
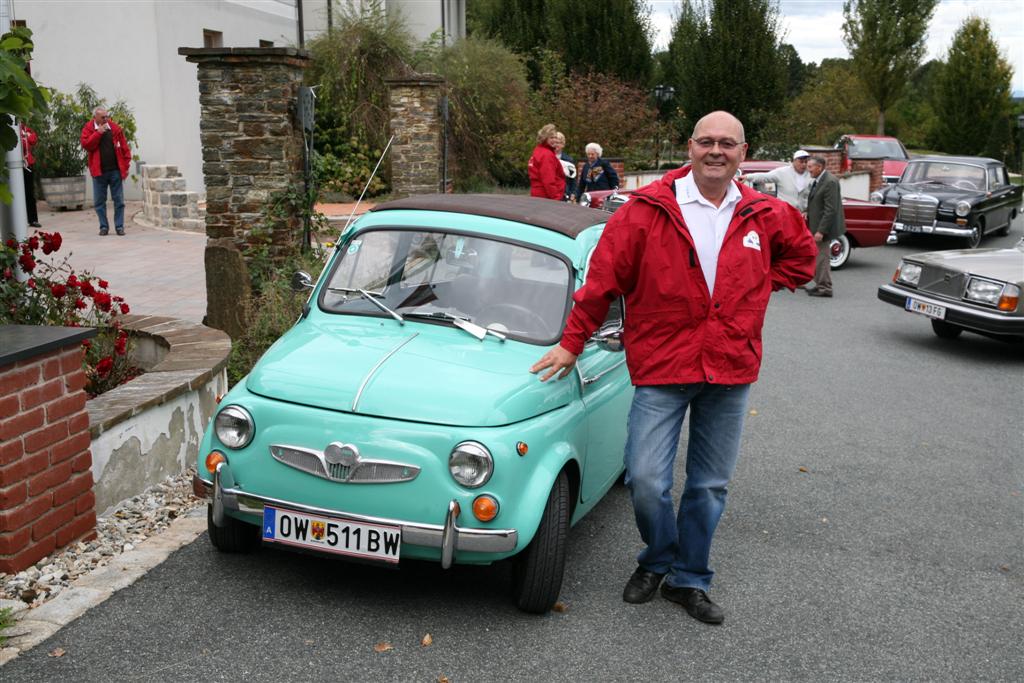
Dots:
(129, 50)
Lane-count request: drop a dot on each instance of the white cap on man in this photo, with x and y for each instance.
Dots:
(800, 154)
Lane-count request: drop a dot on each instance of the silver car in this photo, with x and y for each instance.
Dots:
(977, 290)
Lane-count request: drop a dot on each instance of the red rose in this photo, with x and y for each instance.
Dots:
(33, 242)
(80, 304)
(53, 240)
(103, 284)
(121, 344)
(87, 343)
(58, 290)
(87, 289)
(8, 274)
(72, 281)
(31, 284)
(124, 309)
(27, 262)
(11, 244)
(104, 367)
(100, 299)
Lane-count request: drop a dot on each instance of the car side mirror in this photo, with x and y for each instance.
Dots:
(609, 337)
(301, 281)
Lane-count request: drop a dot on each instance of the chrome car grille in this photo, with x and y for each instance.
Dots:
(944, 282)
(917, 209)
(364, 471)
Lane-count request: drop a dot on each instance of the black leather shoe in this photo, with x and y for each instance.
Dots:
(103, 232)
(818, 292)
(696, 603)
(641, 586)
(119, 231)
(35, 224)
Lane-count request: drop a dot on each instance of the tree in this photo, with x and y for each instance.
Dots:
(725, 55)
(912, 118)
(797, 73)
(972, 96)
(886, 40)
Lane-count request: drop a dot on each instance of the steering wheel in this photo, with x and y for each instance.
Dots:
(515, 317)
(965, 185)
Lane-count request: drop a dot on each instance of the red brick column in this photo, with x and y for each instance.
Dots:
(874, 166)
(46, 498)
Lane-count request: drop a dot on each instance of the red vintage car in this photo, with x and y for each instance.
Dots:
(875, 147)
(867, 224)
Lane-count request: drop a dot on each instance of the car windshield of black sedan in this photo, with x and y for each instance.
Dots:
(437, 276)
(875, 149)
(964, 176)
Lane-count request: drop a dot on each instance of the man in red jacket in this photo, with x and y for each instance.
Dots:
(696, 256)
(109, 160)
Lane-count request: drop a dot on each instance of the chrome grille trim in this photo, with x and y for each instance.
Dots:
(918, 209)
(366, 471)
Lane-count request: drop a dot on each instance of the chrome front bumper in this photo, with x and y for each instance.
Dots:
(449, 537)
(935, 228)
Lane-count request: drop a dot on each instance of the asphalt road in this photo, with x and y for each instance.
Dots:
(874, 532)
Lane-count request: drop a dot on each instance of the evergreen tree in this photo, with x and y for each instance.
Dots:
(972, 97)
(886, 39)
(725, 55)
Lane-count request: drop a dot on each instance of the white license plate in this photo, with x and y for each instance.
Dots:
(930, 310)
(330, 535)
(912, 228)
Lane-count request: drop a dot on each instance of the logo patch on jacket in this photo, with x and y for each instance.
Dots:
(752, 241)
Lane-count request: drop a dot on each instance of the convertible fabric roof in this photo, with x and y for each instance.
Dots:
(568, 219)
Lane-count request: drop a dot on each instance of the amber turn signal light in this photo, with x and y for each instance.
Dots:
(213, 459)
(1008, 303)
(485, 508)
(521, 448)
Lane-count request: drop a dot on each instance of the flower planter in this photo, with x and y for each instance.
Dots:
(64, 193)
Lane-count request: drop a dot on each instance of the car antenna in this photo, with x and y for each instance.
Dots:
(368, 181)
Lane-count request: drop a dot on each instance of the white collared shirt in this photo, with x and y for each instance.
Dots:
(707, 223)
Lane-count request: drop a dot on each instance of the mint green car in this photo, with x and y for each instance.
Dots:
(398, 420)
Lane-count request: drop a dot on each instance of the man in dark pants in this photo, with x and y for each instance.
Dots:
(826, 221)
(692, 341)
(109, 161)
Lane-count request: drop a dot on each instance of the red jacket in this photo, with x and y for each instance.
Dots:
(547, 178)
(91, 144)
(28, 141)
(675, 332)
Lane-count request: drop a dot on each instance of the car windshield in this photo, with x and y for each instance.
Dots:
(964, 176)
(875, 149)
(451, 278)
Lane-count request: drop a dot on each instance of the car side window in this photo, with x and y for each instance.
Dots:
(995, 177)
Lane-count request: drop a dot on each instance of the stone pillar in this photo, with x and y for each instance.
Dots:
(46, 496)
(166, 201)
(414, 104)
(252, 156)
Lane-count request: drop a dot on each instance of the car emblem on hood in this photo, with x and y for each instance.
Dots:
(344, 454)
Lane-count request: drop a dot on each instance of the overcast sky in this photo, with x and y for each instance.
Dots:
(814, 28)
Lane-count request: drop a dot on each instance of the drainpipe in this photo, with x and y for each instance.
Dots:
(15, 217)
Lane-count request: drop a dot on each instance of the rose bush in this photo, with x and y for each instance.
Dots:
(53, 294)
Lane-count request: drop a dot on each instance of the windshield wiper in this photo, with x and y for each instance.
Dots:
(460, 322)
(372, 298)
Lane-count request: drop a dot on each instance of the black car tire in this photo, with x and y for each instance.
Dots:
(944, 330)
(537, 571)
(234, 536)
(974, 240)
(838, 260)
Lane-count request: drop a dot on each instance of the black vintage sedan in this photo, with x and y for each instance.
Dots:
(965, 197)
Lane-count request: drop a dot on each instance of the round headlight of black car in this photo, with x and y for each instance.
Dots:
(585, 199)
(470, 464)
(963, 208)
(234, 427)
(876, 197)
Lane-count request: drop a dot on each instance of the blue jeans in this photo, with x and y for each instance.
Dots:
(680, 544)
(100, 183)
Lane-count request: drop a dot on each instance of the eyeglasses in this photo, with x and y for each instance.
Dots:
(726, 145)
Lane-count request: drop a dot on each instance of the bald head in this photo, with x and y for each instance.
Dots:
(720, 120)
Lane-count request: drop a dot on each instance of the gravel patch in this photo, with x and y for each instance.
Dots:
(130, 523)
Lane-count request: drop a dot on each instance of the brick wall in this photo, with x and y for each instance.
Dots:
(46, 498)
(874, 167)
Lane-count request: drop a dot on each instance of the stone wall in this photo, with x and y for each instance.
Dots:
(253, 156)
(414, 105)
(166, 201)
(46, 496)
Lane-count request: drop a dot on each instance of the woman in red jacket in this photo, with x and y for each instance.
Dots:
(547, 179)
(28, 141)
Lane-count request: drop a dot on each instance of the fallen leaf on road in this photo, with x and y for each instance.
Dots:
(427, 641)
(559, 607)
(442, 679)
(1004, 567)
(753, 412)
(59, 652)
(383, 647)
(802, 469)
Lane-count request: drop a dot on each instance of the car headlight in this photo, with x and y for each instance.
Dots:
(990, 292)
(963, 208)
(234, 427)
(907, 273)
(585, 199)
(876, 197)
(470, 464)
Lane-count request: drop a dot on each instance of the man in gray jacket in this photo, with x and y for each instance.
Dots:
(825, 219)
(791, 182)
